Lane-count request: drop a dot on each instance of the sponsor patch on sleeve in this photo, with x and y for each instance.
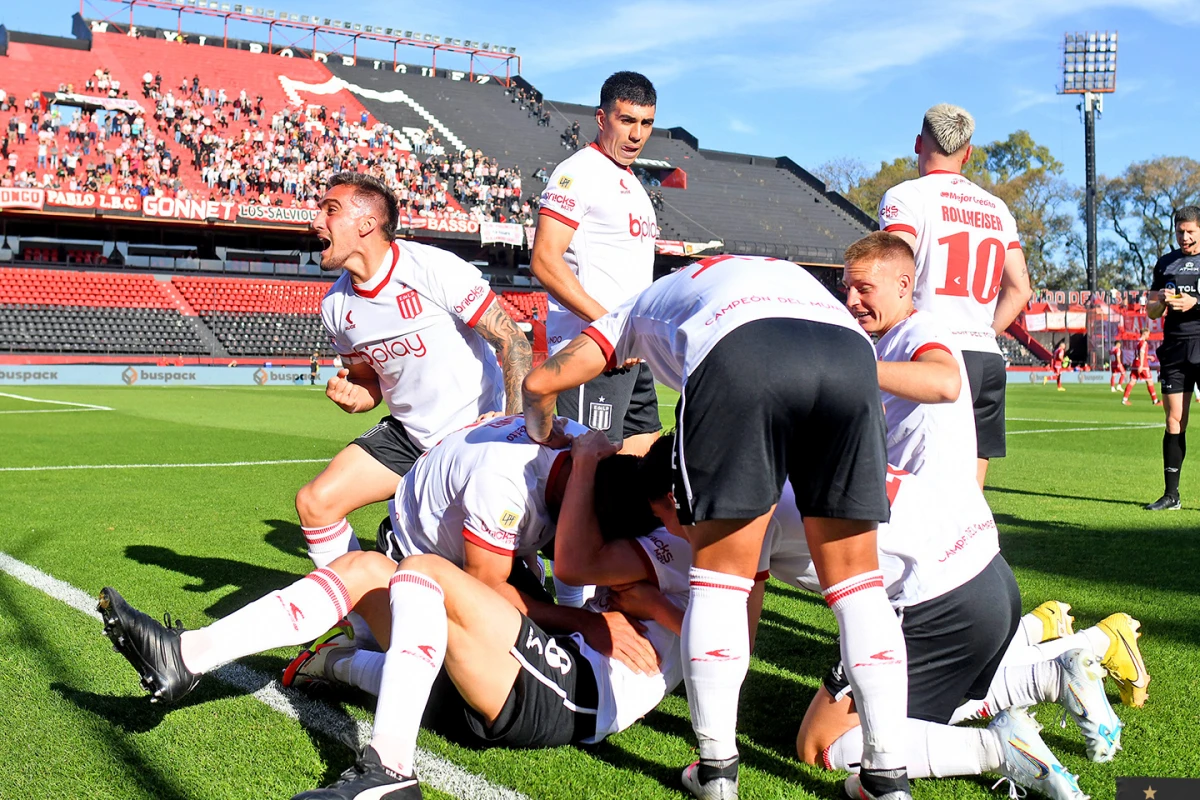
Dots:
(508, 520)
(565, 182)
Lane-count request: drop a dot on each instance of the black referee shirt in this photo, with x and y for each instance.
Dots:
(1179, 273)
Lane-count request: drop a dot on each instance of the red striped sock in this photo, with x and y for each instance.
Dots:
(329, 541)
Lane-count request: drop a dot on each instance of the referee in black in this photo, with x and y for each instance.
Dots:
(1174, 295)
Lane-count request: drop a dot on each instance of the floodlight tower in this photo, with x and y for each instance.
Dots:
(1089, 68)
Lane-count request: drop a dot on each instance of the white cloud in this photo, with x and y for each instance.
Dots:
(738, 125)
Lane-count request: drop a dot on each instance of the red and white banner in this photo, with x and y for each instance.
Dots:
(441, 221)
(290, 216)
(674, 247)
(94, 200)
(175, 208)
(502, 232)
(32, 199)
(530, 232)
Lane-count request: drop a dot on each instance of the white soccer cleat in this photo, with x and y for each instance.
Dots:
(1027, 761)
(1081, 694)
(712, 781)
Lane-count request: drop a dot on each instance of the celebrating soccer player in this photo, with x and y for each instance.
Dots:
(970, 268)
(770, 366)
(415, 326)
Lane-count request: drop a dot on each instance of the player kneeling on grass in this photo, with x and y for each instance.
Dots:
(521, 686)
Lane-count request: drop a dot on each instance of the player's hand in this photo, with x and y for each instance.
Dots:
(1181, 302)
(342, 392)
(591, 447)
(617, 636)
(559, 438)
(639, 600)
(487, 416)
(630, 363)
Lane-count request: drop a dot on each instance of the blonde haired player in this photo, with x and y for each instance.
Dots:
(970, 270)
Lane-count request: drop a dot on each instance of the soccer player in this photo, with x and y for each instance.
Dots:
(970, 269)
(1141, 372)
(777, 380)
(484, 498)
(1057, 364)
(416, 327)
(595, 249)
(1116, 366)
(1174, 298)
(930, 422)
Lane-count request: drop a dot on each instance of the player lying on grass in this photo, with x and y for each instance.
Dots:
(940, 560)
(484, 498)
(520, 686)
(922, 375)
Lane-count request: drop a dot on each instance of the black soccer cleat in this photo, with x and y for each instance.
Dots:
(879, 784)
(150, 646)
(1165, 503)
(367, 778)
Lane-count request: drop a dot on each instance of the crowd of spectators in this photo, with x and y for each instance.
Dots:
(1015, 353)
(531, 103)
(238, 148)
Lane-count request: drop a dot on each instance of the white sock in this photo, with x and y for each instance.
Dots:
(875, 660)
(574, 596)
(330, 541)
(419, 630)
(1092, 639)
(1032, 627)
(930, 751)
(716, 655)
(293, 615)
(363, 669)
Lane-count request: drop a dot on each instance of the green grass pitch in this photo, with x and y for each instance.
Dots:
(200, 542)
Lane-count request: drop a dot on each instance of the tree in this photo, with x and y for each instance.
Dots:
(869, 190)
(840, 174)
(1139, 205)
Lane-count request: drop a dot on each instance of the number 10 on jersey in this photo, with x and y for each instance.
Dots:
(978, 277)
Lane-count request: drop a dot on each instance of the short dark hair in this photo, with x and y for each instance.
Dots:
(632, 87)
(368, 186)
(1188, 214)
(621, 507)
(654, 472)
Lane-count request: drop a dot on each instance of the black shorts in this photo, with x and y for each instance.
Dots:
(1179, 365)
(553, 701)
(388, 443)
(955, 643)
(777, 399)
(621, 402)
(986, 374)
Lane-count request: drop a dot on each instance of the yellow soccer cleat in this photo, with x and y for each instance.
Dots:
(1056, 618)
(1123, 659)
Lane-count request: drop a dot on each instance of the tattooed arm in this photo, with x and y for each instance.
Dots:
(1015, 290)
(516, 356)
(574, 365)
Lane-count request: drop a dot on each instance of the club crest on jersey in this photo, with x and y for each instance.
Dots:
(410, 304)
(600, 415)
(565, 182)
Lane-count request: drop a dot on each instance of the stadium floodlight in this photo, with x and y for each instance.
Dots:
(224, 6)
(512, 50)
(1089, 68)
(237, 9)
(408, 34)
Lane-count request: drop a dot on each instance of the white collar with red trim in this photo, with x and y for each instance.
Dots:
(370, 287)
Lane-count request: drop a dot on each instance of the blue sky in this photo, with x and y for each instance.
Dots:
(820, 79)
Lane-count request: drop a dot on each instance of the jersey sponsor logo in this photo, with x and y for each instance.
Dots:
(600, 415)
(129, 376)
(642, 228)
(380, 354)
(350, 324)
(565, 182)
(563, 202)
(624, 188)
(509, 519)
(410, 304)
(662, 550)
(974, 219)
(503, 538)
(966, 198)
(890, 212)
(471, 297)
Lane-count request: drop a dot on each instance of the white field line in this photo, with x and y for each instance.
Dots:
(88, 406)
(54, 410)
(433, 770)
(168, 466)
(1074, 421)
(1125, 427)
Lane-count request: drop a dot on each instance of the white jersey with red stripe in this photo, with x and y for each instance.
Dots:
(612, 250)
(484, 484)
(938, 438)
(679, 318)
(963, 237)
(940, 536)
(412, 322)
(626, 696)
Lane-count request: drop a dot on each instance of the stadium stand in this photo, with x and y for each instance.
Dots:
(261, 318)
